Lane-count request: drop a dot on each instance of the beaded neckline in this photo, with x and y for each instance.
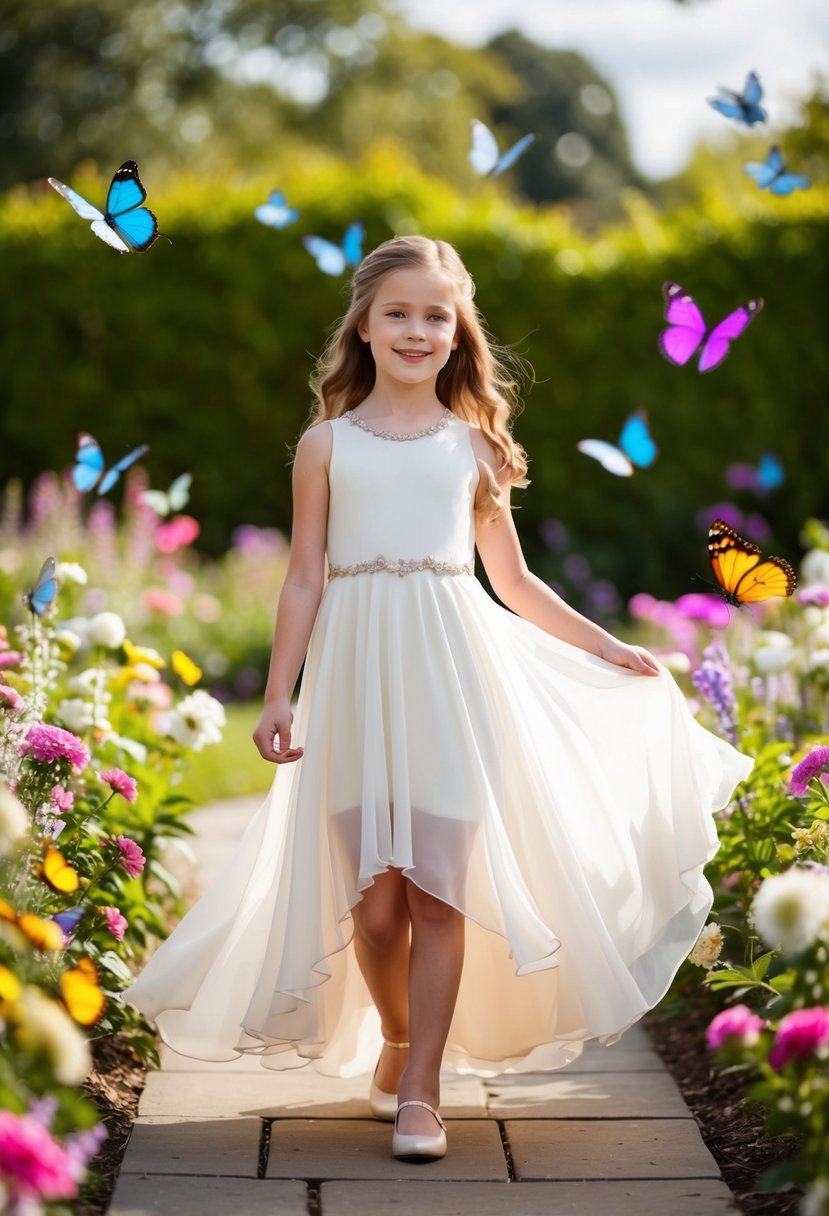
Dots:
(383, 434)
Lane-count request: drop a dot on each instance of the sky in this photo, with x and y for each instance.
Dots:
(662, 59)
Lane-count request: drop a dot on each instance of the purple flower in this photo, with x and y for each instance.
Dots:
(799, 1035)
(734, 1026)
(47, 743)
(131, 855)
(713, 680)
(817, 594)
(120, 783)
(816, 764)
(83, 1145)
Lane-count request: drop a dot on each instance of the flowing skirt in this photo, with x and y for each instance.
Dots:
(563, 804)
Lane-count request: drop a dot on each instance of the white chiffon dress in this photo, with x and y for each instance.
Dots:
(562, 803)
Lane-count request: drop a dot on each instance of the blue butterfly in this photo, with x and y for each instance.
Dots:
(124, 224)
(333, 259)
(485, 156)
(90, 464)
(69, 919)
(275, 212)
(38, 598)
(771, 174)
(745, 106)
(767, 475)
(636, 448)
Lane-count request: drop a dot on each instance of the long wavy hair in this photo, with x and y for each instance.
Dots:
(479, 383)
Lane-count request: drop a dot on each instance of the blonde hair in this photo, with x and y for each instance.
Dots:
(479, 383)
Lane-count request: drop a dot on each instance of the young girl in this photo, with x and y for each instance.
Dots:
(486, 839)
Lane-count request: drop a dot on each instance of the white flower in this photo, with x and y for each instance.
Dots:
(708, 946)
(820, 636)
(78, 715)
(86, 682)
(676, 661)
(818, 659)
(106, 629)
(196, 721)
(816, 1200)
(69, 639)
(815, 567)
(774, 652)
(791, 910)
(71, 572)
(46, 1030)
(14, 822)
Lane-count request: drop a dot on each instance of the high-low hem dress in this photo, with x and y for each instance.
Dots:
(563, 804)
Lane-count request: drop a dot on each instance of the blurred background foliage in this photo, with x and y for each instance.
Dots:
(203, 348)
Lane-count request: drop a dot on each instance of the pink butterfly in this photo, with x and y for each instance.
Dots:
(687, 331)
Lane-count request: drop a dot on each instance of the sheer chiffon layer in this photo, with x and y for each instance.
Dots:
(561, 803)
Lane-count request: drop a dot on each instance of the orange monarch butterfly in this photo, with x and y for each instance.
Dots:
(744, 575)
(81, 992)
(56, 870)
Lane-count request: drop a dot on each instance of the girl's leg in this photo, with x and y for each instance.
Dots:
(435, 969)
(381, 945)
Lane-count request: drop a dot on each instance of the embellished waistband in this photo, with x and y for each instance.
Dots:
(401, 566)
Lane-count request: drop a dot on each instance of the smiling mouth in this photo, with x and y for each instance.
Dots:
(413, 356)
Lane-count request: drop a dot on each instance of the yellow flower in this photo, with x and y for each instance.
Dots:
(143, 654)
(184, 667)
(46, 1030)
(9, 985)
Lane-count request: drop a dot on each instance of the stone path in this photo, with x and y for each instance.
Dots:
(610, 1135)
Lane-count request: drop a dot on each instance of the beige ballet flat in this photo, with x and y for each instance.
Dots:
(420, 1148)
(384, 1105)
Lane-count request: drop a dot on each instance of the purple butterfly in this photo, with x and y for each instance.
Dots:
(687, 331)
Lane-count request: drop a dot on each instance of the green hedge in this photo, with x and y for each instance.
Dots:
(203, 348)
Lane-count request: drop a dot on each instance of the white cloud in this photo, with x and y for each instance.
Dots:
(662, 58)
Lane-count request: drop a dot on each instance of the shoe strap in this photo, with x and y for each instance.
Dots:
(399, 1046)
(417, 1102)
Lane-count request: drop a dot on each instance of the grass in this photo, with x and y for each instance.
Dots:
(232, 768)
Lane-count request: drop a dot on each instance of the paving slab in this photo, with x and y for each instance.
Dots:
(172, 1061)
(146, 1194)
(705, 1198)
(228, 1147)
(609, 1095)
(609, 1148)
(617, 1058)
(298, 1092)
(354, 1148)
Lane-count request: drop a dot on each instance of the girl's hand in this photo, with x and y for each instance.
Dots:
(636, 658)
(273, 734)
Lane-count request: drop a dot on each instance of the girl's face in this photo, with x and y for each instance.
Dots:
(411, 326)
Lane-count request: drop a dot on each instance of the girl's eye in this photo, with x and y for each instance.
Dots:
(394, 313)
(437, 316)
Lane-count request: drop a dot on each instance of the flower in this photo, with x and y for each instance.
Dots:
(62, 799)
(816, 764)
(120, 783)
(791, 910)
(704, 606)
(106, 629)
(818, 660)
(708, 947)
(815, 567)
(9, 697)
(817, 594)
(32, 1163)
(798, 1036)
(47, 743)
(196, 721)
(143, 654)
(83, 1145)
(179, 531)
(158, 599)
(713, 680)
(14, 822)
(68, 639)
(45, 1029)
(80, 715)
(734, 1026)
(71, 572)
(774, 652)
(131, 855)
(10, 658)
(116, 923)
(185, 668)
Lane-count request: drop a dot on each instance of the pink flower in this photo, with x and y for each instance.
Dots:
(737, 1025)
(10, 658)
(131, 855)
(817, 594)
(799, 1035)
(47, 743)
(32, 1163)
(157, 599)
(116, 923)
(120, 783)
(702, 606)
(179, 531)
(813, 765)
(10, 697)
(62, 799)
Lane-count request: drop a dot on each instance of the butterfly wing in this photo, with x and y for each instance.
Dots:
(765, 172)
(353, 243)
(744, 576)
(686, 326)
(179, 492)
(43, 934)
(45, 589)
(56, 870)
(134, 224)
(770, 472)
(771, 577)
(718, 341)
(69, 919)
(276, 213)
(111, 476)
(330, 258)
(730, 109)
(81, 992)
(752, 90)
(89, 463)
(787, 183)
(636, 441)
(512, 154)
(84, 209)
(608, 455)
(157, 500)
(483, 155)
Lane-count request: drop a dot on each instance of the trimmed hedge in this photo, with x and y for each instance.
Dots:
(203, 348)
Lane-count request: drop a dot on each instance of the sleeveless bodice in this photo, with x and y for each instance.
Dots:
(401, 505)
